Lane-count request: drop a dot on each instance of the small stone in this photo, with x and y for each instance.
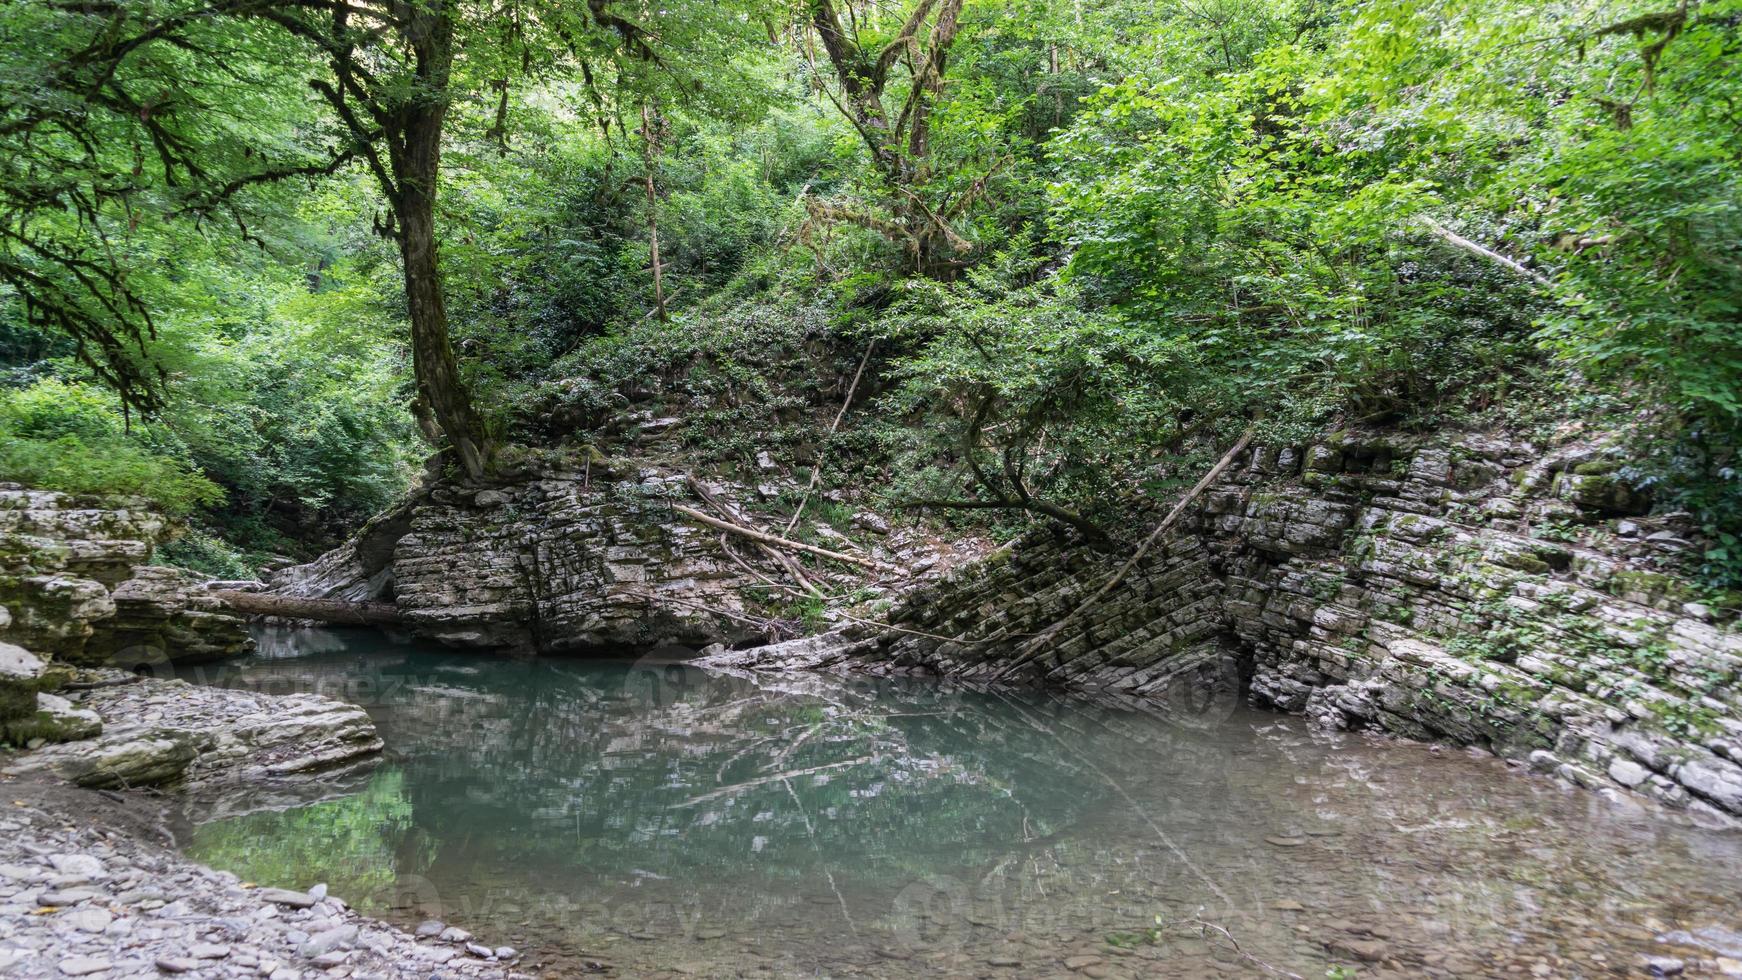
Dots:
(1627, 772)
(1665, 966)
(1007, 961)
(77, 864)
(177, 964)
(1285, 841)
(454, 934)
(87, 920)
(331, 959)
(506, 952)
(1082, 962)
(1288, 905)
(318, 892)
(869, 521)
(328, 940)
(209, 951)
(430, 927)
(710, 933)
(78, 966)
(480, 951)
(1366, 950)
(71, 896)
(284, 896)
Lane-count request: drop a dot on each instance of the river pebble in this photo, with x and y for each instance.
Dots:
(170, 916)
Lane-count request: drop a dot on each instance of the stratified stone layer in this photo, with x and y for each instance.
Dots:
(1470, 588)
(75, 586)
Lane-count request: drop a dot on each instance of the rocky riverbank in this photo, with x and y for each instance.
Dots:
(86, 890)
(1473, 588)
(144, 731)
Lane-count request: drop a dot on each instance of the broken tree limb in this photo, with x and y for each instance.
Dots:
(339, 611)
(1040, 639)
(779, 542)
(775, 555)
(1453, 238)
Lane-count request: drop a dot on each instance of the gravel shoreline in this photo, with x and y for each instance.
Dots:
(88, 890)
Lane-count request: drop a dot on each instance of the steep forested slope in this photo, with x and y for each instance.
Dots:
(1077, 250)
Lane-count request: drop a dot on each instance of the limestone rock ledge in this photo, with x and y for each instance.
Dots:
(75, 586)
(169, 732)
(586, 559)
(1468, 587)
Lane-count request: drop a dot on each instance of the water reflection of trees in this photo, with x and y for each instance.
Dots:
(668, 771)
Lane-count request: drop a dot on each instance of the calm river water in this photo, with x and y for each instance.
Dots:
(648, 819)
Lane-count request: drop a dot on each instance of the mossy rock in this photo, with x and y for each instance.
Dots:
(21, 677)
(54, 719)
(1609, 495)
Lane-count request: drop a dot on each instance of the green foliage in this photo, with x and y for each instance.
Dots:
(1009, 372)
(72, 437)
(1175, 221)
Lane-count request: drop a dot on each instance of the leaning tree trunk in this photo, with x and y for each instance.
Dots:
(416, 161)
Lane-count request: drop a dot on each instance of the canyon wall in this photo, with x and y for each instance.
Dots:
(592, 559)
(1468, 587)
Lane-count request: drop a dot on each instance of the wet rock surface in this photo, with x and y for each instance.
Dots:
(85, 892)
(1470, 588)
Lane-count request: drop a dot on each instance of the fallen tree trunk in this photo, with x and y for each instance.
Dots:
(338, 611)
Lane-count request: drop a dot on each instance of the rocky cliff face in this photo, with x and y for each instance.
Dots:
(590, 559)
(75, 586)
(1471, 588)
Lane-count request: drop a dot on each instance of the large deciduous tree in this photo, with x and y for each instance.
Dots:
(889, 89)
(120, 113)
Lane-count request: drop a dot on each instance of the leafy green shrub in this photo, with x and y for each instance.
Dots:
(198, 550)
(60, 436)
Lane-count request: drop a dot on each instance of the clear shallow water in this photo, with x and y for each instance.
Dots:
(651, 819)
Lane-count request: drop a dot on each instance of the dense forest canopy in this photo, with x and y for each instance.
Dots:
(258, 257)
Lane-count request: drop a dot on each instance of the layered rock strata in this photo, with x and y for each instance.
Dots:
(168, 732)
(1471, 588)
(75, 585)
(585, 560)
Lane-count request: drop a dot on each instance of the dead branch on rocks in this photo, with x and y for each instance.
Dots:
(779, 542)
(1166, 525)
(817, 468)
